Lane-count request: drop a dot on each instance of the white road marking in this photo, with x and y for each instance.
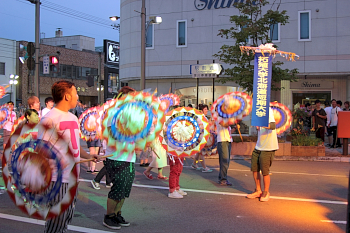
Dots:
(291, 173)
(42, 223)
(334, 221)
(236, 194)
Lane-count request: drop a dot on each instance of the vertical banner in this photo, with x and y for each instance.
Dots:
(261, 89)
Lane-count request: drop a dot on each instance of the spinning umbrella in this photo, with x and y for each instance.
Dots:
(27, 172)
(283, 117)
(89, 124)
(185, 132)
(4, 114)
(229, 108)
(171, 99)
(135, 120)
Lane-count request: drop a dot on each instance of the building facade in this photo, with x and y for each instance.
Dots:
(75, 66)
(318, 31)
(8, 62)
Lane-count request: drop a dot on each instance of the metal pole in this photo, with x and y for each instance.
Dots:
(14, 96)
(143, 46)
(213, 90)
(197, 87)
(99, 92)
(345, 146)
(348, 210)
(37, 48)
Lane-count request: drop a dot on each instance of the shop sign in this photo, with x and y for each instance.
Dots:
(314, 84)
(206, 70)
(111, 50)
(202, 4)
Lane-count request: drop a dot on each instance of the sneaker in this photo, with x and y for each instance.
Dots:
(256, 194)
(122, 221)
(88, 171)
(110, 221)
(109, 185)
(183, 193)
(95, 171)
(207, 170)
(175, 194)
(225, 183)
(150, 177)
(194, 166)
(95, 185)
(265, 196)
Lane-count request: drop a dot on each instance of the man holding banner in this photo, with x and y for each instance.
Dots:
(262, 117)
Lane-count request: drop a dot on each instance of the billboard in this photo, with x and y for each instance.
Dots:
(111, 50)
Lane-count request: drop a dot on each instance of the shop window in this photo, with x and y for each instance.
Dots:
(275, 32)
(2, 68)
(149, 37)
(69, 71)
(304, 30)
(181, 33)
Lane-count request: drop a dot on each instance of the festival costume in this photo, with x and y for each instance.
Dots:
(176, 166)
(11, 118)
(44, 111)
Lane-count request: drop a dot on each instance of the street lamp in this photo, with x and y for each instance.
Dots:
(14, 81)
(153, 20)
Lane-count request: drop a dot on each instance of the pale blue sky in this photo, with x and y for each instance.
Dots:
(17, 19)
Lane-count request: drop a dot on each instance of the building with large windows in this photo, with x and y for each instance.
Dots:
(318, 31)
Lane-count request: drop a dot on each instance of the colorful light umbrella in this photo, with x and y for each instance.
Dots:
(89, 124)
(185, 132)
(171, 99)
(229, 108)
(282, 115)
(133, 122)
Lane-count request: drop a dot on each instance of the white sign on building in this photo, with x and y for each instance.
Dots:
(46, 65)
(206, 70)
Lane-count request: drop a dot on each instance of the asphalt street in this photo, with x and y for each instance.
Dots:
(306, 197)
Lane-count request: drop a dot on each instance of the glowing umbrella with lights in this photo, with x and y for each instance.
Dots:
(230, 107)
(282, 115)
(185, 132)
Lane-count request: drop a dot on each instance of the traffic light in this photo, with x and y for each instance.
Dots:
(54, 64)
(91, 81)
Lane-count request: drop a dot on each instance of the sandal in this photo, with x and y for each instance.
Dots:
(150, 177)
(163, 178)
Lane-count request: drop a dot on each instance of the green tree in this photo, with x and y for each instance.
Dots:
(253, 24)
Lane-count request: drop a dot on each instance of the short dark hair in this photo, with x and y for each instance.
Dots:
(189, 105)
(326, 103)
(10, 102)
(203, 106)
(334, 100)
(125, 90)
(346, 102)
(317, 101)
(29, 112)
(59, 89)
(339, 102)
(48, 99)
(307, 104)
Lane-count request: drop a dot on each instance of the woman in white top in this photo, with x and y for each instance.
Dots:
(9, 123)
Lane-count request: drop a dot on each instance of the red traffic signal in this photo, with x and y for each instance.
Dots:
(54, 60)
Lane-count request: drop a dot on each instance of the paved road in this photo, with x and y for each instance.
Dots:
(306, 197)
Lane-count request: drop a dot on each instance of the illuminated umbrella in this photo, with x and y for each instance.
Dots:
(89, 124)
(4, 114)
(185, 132)
(135, 120)
(282, 115)
(102, 113)
(172, 99)
(229, 108)
(27, 175)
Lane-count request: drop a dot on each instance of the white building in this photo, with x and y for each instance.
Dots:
(70, 42)
(8, 62)
(318, 31)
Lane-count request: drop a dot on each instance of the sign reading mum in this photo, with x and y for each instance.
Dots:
(261, 89)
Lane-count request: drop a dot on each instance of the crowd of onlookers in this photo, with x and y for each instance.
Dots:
(324, 121)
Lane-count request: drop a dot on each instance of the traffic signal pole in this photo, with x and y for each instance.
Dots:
(37, 48)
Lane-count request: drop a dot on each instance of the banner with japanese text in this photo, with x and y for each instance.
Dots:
(261, 89)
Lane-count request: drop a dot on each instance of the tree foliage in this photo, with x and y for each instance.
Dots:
(253, 24)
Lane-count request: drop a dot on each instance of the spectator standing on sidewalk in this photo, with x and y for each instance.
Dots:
(9, 123)
(319, 116)
(224, 140)
(346, 105)
(262, 158)
(333, 123)
(49, 105)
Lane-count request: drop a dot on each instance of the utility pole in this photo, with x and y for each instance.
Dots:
(143, 46)
(37, 47)
(99, 92)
